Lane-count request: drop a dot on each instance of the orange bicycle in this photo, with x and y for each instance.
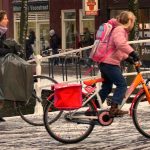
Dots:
(72, 126)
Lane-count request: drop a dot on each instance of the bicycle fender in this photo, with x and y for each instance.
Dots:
(140, 92)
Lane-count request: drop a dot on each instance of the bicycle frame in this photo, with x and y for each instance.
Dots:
(83, 119)
(138, 80)
(96, 93)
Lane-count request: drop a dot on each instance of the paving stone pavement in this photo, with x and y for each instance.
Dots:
(15, 134)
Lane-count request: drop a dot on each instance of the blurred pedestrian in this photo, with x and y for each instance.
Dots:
(54, 44)
(3, 51)
(30, 40)
(87, 40)
(3, 29)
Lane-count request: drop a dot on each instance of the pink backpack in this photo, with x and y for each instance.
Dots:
(100, 49)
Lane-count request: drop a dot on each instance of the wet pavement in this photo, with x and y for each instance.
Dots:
(15, 134)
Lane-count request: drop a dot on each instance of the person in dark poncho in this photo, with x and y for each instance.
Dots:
(3, 51)
(3, 29)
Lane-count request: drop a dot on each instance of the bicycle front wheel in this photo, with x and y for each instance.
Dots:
(141, 111)
(64, 129)
(31, 111)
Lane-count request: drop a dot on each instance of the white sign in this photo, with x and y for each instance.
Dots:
(91, 7)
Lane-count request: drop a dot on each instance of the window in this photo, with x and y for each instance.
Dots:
(87, 21)
(69, 29)
(39, 22)
(144, 33)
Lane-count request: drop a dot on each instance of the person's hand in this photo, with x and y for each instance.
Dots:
(130, 60)
(135, 56)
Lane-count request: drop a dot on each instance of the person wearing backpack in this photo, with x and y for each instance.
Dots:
(110, 66)
(30, 41)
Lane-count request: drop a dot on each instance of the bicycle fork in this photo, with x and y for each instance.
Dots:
(145, 90)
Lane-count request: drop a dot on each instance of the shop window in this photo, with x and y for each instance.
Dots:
(69, 15)
(69, 29)
(70, 34)
(144, 23)
(87, 22)
(144, 33)
(39, 23)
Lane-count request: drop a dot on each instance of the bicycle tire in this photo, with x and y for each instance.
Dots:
(66, 131)
(140, 115)
(24, 108)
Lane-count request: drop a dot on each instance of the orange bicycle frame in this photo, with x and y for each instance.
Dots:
(137, 81)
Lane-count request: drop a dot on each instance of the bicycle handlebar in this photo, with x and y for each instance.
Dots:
(137, 63)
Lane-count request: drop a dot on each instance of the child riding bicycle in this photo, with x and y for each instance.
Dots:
(110, 66)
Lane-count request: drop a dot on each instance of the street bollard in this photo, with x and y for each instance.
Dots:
(38, 107)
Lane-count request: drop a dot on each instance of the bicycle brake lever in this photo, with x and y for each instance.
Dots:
(137, 63)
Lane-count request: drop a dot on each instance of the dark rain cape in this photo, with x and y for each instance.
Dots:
(16, 78)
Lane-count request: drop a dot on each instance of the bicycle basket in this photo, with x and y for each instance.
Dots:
(67, 96)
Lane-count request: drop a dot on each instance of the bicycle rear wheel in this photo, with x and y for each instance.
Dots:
(27, 109)
(67, 130)
(141, 111)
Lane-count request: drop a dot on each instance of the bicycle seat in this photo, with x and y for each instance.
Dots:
(90, 82)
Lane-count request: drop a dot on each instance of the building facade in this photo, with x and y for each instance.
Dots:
(67, 18)
(38, 21)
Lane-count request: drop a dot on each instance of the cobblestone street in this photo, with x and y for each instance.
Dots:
(15, 134)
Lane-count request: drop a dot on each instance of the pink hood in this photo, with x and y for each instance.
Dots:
(113, 22)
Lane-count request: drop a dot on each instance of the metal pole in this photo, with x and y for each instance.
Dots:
(38, 107)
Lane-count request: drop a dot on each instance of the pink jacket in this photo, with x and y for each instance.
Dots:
(118, 42)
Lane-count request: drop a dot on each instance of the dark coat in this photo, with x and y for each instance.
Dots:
(54, 42)
(87, 39)
(3, 49)
(32, 37)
